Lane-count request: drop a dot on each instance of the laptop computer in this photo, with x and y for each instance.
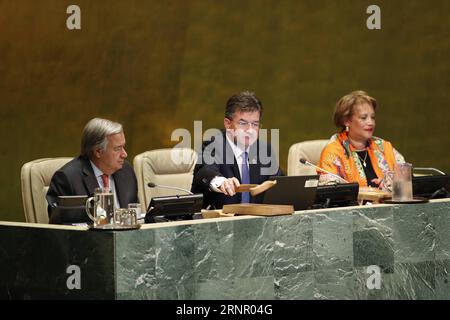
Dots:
(171, 208)
(432, 187)
(299, 191)
(336, 195)
(69, 210)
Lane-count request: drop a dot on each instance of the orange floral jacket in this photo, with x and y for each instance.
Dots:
(340, 157)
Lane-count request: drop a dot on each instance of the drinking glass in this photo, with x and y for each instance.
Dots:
(125, 217)
(402, 182)
(137, 208)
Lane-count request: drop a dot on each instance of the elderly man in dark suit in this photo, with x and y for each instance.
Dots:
(235, 156)
(101, 165)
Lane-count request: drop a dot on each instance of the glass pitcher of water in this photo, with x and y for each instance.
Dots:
(402, 182)
(103, 207)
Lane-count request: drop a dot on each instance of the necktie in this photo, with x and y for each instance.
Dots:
(105, 179)
(245, 177)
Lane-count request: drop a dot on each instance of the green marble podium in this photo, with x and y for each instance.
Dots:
(317, 254)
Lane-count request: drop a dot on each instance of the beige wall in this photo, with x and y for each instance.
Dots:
(159, 65)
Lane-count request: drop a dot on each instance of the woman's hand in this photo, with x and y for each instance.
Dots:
(376, 181)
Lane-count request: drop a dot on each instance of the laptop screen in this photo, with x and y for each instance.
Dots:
(338, 195)
(170, 208)
(299, 191)
(431, 186)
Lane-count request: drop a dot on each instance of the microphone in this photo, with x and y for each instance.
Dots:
(430, 169)
(154, 185)
(306, 162)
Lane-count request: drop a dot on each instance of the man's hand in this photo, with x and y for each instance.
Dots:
(229, 186)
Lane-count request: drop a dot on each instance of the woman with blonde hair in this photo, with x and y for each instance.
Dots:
(354, 153)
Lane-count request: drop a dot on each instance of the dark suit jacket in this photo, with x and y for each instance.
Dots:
(204, 172)
(77, 178)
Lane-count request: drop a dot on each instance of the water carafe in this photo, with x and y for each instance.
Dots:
(402, 182)
(103, 207)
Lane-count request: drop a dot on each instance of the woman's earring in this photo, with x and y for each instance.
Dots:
(346, 128)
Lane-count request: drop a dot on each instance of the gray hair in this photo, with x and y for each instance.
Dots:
(95, 135)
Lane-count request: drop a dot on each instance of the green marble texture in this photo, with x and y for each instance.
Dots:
(317, 254)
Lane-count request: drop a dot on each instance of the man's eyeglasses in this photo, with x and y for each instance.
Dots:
(244, 124)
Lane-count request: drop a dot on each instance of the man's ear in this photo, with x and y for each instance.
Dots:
(227, 123)
(97, 153)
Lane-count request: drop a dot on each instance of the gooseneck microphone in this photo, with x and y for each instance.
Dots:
(154, 185)
(306, 162)
(429, 169)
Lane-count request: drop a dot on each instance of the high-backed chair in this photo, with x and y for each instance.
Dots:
(35, 178)
(310, 150)
(170, 167)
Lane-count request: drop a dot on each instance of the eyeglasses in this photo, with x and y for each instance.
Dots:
(244, 124)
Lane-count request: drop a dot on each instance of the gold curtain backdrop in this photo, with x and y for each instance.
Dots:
(156, 66)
